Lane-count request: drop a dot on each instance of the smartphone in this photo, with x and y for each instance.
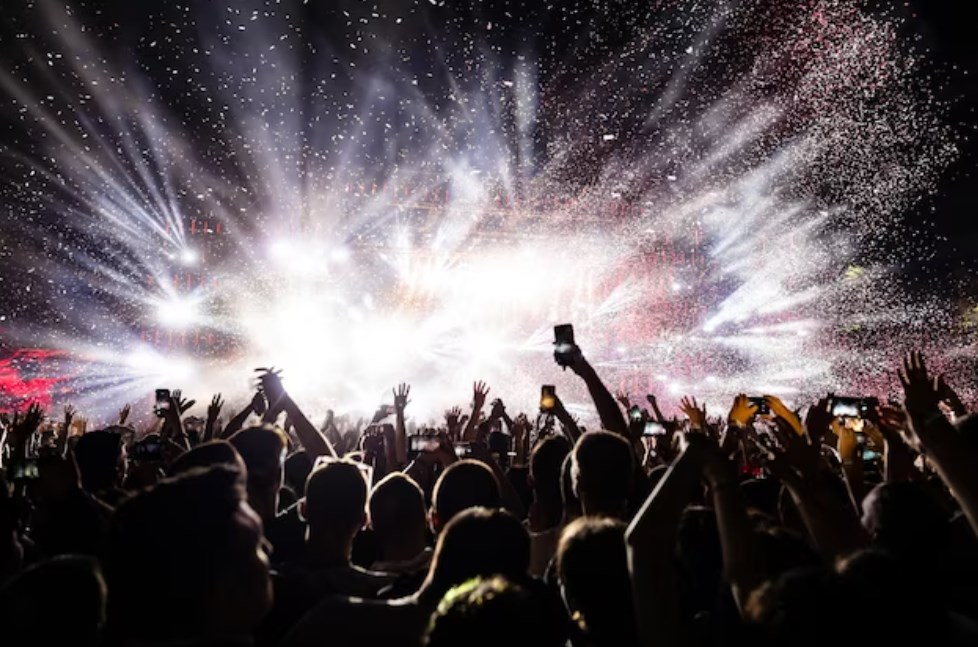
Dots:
(653, 429)
(162, 402)
(26, 469)
(420, 443)
(563, 343)
(463, 449)
(635, 414)
(762, 407)
(841, 407)
(147, 450)
(548, 397)
(871, 455)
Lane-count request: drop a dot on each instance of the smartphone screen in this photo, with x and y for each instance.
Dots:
(162, 401)
(421, 443)
(548, 397)
(563, 342)
(870, 455)
(635, 414)
(846, 409)
(762, 407)
(653, 429)
(463, 449)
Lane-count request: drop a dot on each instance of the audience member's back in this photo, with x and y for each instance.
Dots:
(57, 602)
(593, 572)
(490, 613)
(100, 460)
(604, 472)
(397, 516)
(186, 562)
(465, 484)
(477, 543)
(547, 510)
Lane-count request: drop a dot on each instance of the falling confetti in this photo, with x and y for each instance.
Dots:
(707, 192)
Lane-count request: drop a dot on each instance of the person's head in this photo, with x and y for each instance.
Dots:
(335, 501)
(397, 513)
(603, 472)
(70, 587)
(762, 495)
(868, 599)
(593, 572)
(298, 467)
(905, 519)
(263, 451)
(209, 454)
(478, 542)
(465, 484)
(186, 561)
(100, 459)
(546, 463)
(572, 505)
(488, 612)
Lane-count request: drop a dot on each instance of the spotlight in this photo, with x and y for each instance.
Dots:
(177, 313)
(188, 256)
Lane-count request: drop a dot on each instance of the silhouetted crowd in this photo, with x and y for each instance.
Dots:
(851, 522)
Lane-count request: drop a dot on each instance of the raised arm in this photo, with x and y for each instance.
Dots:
(479, 392)
(213, 411)
(235, 424)
(401, 401)
(312, 440)
(742, 563)
(832, 525)
(567, 420)
(650, 542)
(954, 458)
(610, 414)
(852, 463)
(62, 440)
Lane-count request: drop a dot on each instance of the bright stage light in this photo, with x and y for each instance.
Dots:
(147, 363)
(188, 256)
(178, 313)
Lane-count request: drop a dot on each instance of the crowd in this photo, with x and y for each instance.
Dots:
(854, 523)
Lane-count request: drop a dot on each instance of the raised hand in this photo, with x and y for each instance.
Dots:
(818, 420)
(782, 412)
(70, 412)
(655, 408)
(214, 408)
(271, 385)
(124, 414)
(401, 394)
(24, 426)
(696, 415)
(950, 397)
(497, 409)
(452, 417)
(624, 399)
(922, 391)
(847, 445)
(742, 411)
(479, 392)
(183, 403)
